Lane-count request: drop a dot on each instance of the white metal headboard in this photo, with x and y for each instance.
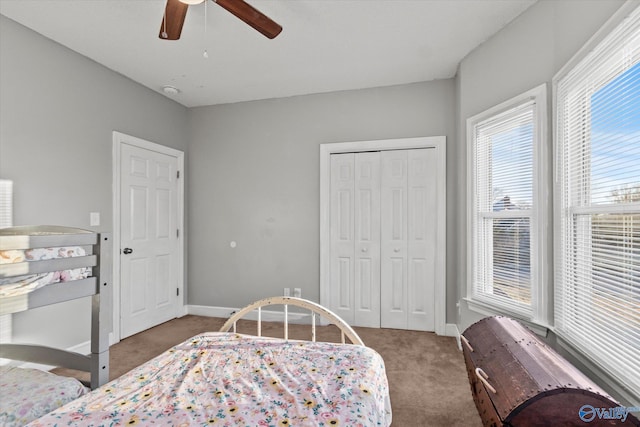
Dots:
(316, 310)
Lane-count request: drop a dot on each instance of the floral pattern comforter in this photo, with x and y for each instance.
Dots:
(228, 379)
(26, 394)
(24, 284)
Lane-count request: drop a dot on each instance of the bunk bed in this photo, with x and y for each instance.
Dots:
(40, 266)
(227, 378)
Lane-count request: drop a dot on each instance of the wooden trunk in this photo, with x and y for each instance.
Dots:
(518, 381)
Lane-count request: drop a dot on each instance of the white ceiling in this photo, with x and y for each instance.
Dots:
(325, 45)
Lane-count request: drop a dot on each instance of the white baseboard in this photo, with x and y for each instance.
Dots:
(267, 315)
(82, 348)
(209, 311)
(451, 330)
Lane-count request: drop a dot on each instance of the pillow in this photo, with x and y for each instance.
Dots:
(28, 394)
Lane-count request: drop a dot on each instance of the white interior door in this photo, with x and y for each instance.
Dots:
(148, 238)
(393, 243)
(408, 240)
(422, 242)
(367, 240)
(356, 237)
(342, 235)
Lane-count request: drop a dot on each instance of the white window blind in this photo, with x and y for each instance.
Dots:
(597, 295)
(505, 143)
(6, 203)
(6, 220)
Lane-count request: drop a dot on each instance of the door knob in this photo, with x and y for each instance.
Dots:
(364, 249)
(127, 251)
(396, 250)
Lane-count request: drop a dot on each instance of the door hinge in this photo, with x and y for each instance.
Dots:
(177, 292)
(178, 232)
(178, 174)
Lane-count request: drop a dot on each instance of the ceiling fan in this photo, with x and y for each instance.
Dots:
(176, 11)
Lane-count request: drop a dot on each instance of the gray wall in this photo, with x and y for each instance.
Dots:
(57, 113)
(255, 179)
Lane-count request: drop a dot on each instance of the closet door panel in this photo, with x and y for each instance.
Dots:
(342, 235)
(367, 239)
(397, 285)
(393, 239)
(421, 238)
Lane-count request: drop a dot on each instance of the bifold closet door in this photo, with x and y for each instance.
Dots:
(408, 238)
(355, 237)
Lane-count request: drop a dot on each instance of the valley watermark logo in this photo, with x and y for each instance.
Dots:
(588, 413)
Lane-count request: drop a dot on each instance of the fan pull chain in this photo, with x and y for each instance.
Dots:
(205, 55)
(164, 25)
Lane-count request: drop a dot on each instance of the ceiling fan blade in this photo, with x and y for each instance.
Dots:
(252, 16)
(174, 13)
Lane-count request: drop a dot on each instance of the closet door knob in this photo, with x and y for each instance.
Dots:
(364, 249)
(396, 250)
(127, 251)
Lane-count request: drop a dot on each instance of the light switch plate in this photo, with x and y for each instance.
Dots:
(94, 219)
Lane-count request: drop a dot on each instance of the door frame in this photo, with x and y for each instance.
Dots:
(120, 139)
(326, 150)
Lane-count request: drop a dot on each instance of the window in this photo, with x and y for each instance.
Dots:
(507, 154)
(597, 281)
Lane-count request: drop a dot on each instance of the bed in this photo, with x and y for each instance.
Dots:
(40, 266)
(226, 378)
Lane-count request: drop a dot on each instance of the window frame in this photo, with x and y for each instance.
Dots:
(539, 214)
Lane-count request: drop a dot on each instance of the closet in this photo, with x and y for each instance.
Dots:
(385, 214)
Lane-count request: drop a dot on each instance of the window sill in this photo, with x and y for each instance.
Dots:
(487, 309)
(599, 374)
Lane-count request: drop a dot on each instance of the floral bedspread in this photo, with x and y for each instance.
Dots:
(23, 284)
(227, 379)
(26, 394)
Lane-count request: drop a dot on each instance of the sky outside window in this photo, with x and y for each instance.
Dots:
(512, 172)
(615, 140)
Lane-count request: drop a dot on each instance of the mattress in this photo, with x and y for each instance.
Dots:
(19, 285)
(27, 394)
(228, 379)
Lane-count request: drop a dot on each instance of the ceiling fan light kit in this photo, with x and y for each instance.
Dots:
(170, 90)
(176, 11)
